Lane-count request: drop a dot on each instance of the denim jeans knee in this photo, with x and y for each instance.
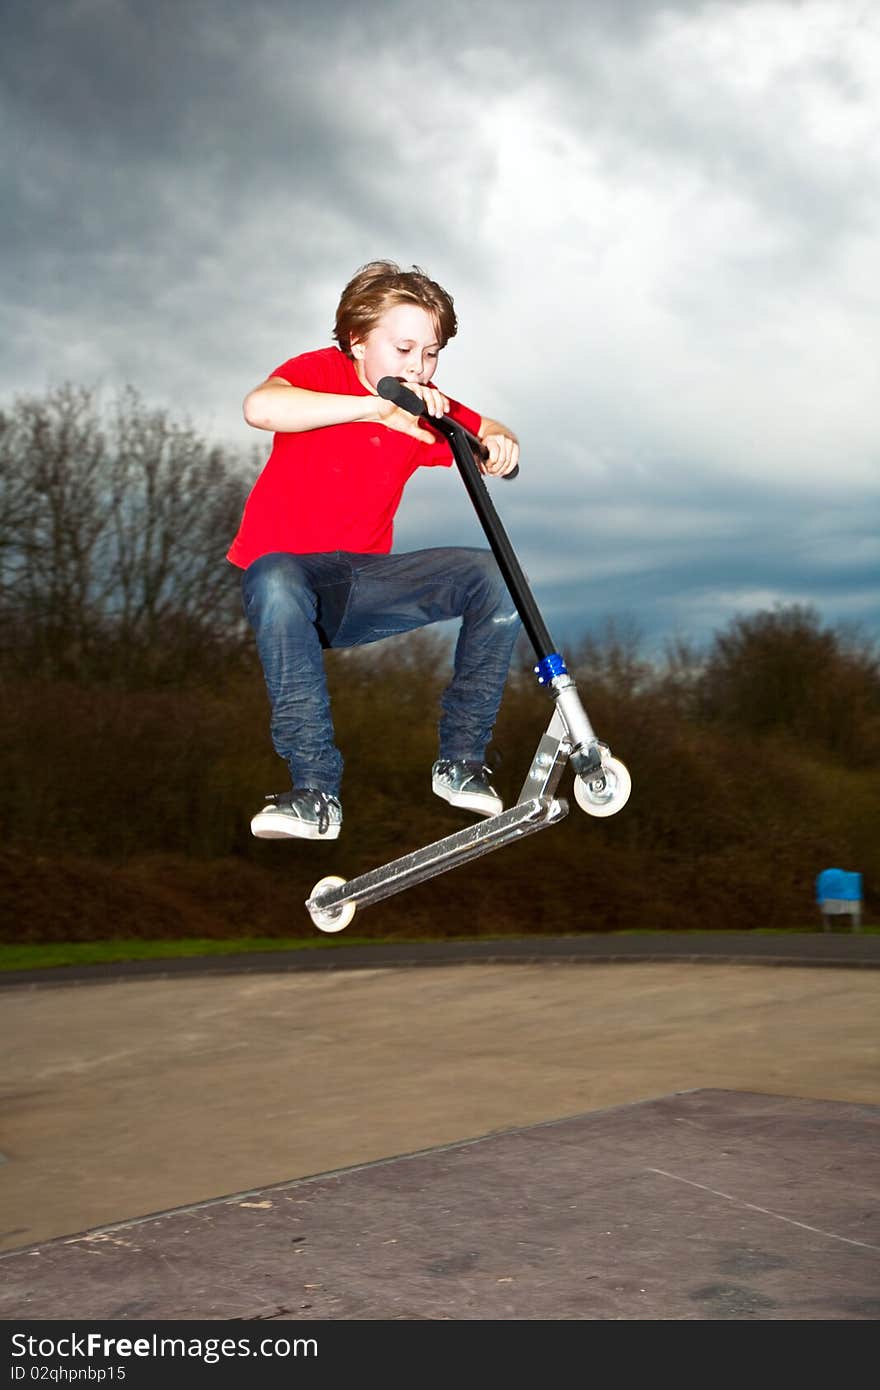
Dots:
(489, 630)
(280, 597)
(297, 603)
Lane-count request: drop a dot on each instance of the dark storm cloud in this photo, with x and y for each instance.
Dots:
(676, 554)
(657, 219)
(118, 121)
(109, 100)
(172, 163)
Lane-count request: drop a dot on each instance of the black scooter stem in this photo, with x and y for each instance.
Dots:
(463, 443)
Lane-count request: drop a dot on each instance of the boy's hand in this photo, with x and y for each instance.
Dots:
(396, 418)
(503, 454)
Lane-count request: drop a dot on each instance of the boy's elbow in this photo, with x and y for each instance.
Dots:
(255, 412)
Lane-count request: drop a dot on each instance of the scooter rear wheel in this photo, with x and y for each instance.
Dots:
(605, 792)
(331, 919)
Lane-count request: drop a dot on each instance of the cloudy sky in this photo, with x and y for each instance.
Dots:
(660, 221)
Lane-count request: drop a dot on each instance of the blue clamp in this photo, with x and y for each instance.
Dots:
(550, 666)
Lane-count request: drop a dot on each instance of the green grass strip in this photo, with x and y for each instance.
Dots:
(39, 956)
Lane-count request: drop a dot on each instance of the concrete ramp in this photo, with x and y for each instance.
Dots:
(702, 1205)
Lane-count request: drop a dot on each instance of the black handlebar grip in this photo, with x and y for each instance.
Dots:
(393, 390)
(390, 389)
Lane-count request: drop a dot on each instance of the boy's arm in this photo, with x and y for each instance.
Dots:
(503, 447)
(285, 409)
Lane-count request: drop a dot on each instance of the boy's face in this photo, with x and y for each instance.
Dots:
(403, 343)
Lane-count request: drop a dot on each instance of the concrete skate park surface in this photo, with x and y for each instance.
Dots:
(131, 1090)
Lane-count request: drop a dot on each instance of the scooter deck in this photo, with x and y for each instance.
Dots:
(524, 818)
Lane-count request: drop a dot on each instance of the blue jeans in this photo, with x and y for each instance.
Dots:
(299, 604)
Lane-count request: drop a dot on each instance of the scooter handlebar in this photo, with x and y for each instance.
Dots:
(393, 390)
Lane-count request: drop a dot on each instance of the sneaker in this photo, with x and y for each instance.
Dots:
(466, 784)
(306, 814)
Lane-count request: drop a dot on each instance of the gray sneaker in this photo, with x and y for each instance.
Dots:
(305, 814)
(466, 784)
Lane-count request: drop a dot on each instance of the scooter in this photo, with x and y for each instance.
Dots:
(602, 783)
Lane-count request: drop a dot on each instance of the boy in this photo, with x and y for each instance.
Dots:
(316, 533)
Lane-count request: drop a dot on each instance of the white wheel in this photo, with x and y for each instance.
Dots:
(330, 918)
(603, 793)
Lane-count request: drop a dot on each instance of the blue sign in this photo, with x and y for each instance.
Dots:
(839, 886)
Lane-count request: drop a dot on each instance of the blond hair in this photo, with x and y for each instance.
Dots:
(380, 286)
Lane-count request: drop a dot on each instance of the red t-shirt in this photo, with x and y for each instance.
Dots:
(335, 488)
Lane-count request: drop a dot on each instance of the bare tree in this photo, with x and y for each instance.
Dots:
(113, 531)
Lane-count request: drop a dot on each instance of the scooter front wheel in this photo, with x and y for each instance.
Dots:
(330, 919)
(605, 792)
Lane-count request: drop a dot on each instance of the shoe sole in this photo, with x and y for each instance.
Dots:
(468, 802)
(268, 825)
